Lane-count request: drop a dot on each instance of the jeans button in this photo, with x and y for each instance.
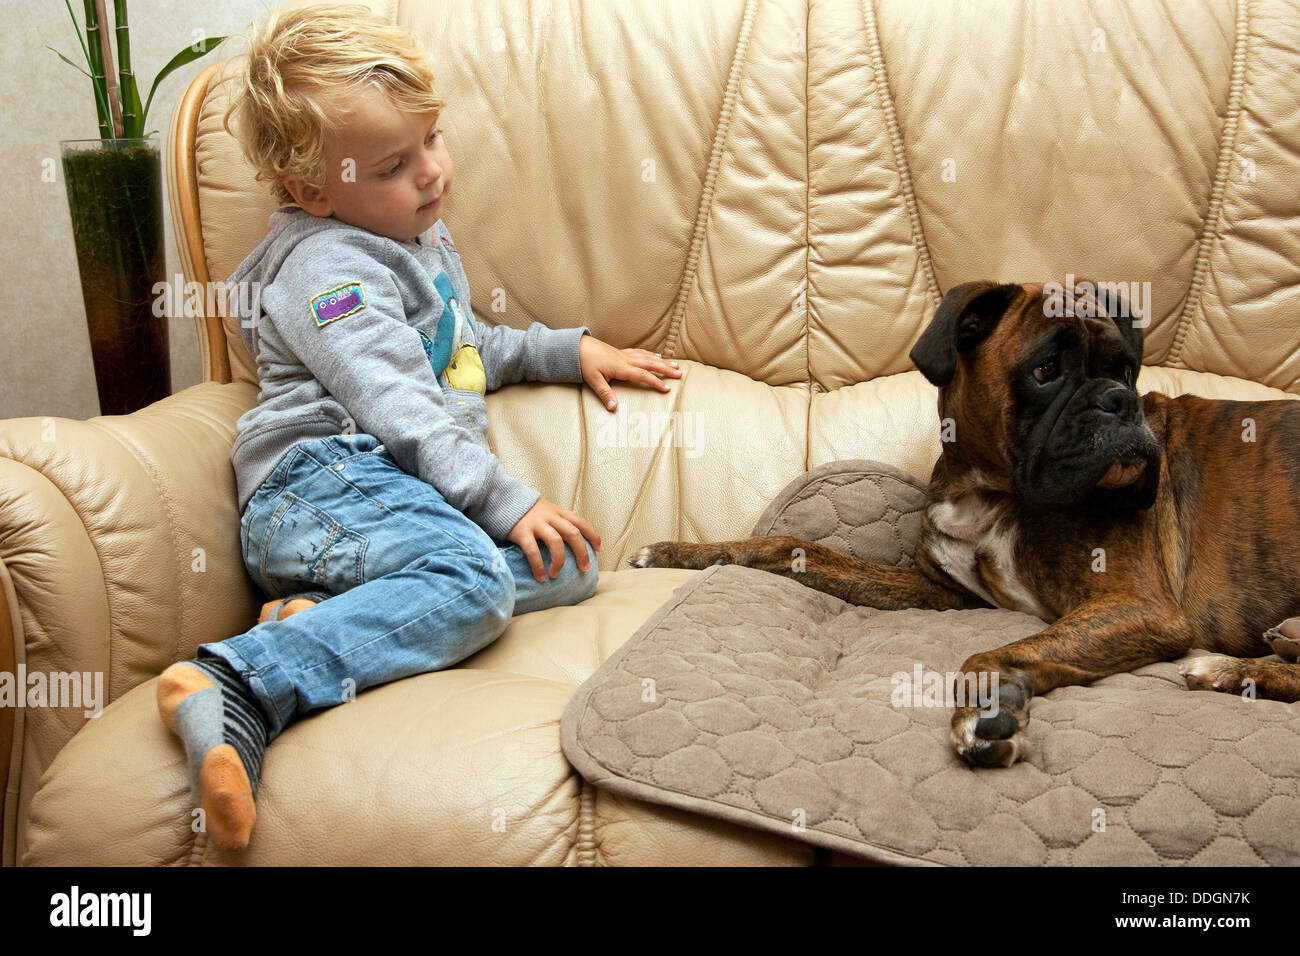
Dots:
(338, 466)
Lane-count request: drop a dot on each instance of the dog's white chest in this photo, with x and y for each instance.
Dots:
(977, 549)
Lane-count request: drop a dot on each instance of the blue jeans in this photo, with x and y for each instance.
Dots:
(406, 583)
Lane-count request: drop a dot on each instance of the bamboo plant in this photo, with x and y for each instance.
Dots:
(117, 99)
(114, 189)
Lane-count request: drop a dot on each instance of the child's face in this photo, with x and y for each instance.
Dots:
(382, 167)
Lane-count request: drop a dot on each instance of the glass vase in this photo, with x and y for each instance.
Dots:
(114, 189)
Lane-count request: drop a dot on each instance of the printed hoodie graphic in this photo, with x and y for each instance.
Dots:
(453, 354)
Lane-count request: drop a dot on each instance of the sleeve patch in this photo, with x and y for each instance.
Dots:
(338, 302)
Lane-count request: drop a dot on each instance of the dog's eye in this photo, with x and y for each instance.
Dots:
(1046, 372)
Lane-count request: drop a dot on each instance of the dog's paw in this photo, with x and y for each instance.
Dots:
(998, 739)
(1213, 672)
(1285, 639)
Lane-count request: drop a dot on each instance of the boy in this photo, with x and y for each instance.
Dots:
(364, 473)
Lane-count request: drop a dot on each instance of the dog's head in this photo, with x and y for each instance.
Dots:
(1038, 386)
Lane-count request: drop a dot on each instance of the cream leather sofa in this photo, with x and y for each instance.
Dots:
(773, 192)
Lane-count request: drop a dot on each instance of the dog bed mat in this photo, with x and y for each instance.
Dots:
(752, 698)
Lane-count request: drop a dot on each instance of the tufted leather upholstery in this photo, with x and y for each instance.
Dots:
(773, 192)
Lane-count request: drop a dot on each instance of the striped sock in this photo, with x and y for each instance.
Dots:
(225, 736)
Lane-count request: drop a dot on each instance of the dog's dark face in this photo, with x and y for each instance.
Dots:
(1040, 384)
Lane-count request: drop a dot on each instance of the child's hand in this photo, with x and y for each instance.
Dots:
(555, 526)
(601, 363)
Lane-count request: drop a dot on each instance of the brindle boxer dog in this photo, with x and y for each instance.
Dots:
(1194, 503)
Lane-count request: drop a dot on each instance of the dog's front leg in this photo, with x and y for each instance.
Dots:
(1094, 640)
(816, 566)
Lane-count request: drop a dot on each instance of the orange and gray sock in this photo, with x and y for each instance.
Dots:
(225, 734)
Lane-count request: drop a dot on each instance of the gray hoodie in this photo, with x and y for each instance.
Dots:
(354, 332)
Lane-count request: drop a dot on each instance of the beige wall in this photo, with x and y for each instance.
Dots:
(45, 365)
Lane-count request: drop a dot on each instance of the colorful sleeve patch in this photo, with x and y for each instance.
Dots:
(338, 302)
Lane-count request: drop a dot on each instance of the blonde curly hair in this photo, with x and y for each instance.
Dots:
(303, 66)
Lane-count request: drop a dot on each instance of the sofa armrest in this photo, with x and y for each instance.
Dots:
(119, 554)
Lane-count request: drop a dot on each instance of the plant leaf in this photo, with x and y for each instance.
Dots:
(69, 62)
(186, 55)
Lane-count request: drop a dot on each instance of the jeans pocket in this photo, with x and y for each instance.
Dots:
(306, 549)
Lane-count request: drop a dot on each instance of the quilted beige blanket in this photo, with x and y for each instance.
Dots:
(752, 698)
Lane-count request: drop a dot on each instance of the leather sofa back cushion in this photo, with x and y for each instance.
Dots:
(784, 189)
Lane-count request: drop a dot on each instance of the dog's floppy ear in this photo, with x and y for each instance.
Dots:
(966, 316)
